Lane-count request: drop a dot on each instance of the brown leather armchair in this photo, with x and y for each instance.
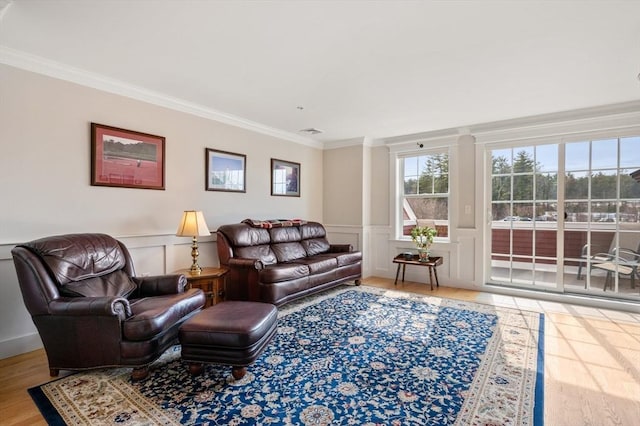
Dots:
(92, 311)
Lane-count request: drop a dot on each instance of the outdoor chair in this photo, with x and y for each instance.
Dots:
(622, 261)
(628, 240)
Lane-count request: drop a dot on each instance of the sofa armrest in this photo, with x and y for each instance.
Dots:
(160, 284)
(107, 306)
(241, 262)
(340, 248)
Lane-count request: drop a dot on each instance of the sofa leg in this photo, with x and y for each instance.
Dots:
(139, 374)
(53, 372)
(238, 372)
(195, 368)
(358, 282)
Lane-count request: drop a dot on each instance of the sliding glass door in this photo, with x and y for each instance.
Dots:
(566, 217)
(524, 210)
(602, 201)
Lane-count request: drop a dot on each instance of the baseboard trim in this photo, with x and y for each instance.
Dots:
(20, 345)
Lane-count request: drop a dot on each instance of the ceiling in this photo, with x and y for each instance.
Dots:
(354, 69)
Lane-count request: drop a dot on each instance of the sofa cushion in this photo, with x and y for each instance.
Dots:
(283, 272)
(318, 264)
(243, 235)
(76, 257)
(313, 230)
(153, 315)
(315, 246)
(117, 283)
(346, 258)
(286, 252)
(262, 252)
(285, 235)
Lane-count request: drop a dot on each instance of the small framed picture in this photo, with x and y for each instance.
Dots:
(285, 178)
(225, 171)
(126, 158)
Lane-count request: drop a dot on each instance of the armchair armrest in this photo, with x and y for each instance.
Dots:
(340, 248)
(243, 262)
(627, 258)
(598, 250)
(627, 254)
(108, 306)
(602, 257)
(160, 284)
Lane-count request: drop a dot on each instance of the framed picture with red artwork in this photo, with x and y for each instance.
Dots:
(126, 158)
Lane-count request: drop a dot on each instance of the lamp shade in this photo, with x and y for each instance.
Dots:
(192, 224)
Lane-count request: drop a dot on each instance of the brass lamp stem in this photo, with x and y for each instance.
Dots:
(195, 268)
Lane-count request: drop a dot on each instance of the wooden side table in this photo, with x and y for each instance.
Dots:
(210, 280)
(432, 263)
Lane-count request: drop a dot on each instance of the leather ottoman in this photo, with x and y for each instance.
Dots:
(231, 333)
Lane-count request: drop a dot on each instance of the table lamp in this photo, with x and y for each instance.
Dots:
(193, 225)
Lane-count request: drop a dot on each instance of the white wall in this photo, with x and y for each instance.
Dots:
(380, 185)
(45, 181)
(347, 196)
(343, 174)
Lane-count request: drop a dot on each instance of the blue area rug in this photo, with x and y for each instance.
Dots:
(353, 356)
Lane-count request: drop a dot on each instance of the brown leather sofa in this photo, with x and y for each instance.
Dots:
(92, 311)
(281, 264)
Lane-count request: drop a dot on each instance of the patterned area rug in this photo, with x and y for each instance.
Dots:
(351, 356)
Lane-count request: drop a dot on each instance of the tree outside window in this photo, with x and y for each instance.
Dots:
(425, 196)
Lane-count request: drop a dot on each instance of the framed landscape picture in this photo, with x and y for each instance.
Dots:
(285, 178)
(126, 158)
(225, 171)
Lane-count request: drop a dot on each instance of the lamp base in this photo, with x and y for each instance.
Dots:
(195, 268)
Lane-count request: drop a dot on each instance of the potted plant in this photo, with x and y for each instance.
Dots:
(423, 237)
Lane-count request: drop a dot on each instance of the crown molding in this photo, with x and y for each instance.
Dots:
(345, 143)
(39, 65)
(435, 135)
(614, 117)
(619, 116)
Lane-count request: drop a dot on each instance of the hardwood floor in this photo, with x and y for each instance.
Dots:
(592, 362)
(17, 374)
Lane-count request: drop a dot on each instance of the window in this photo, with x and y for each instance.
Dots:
(425, 192)
(599, 183)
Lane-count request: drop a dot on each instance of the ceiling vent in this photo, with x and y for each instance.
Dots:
(311, 131)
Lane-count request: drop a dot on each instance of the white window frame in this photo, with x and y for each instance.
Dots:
(397, 167)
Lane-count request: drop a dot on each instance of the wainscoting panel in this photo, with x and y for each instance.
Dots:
(380, 255)
(341, 234)
(17, 334)
(148, 260)
(466, 251)
(178, 256)
(357, 236)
